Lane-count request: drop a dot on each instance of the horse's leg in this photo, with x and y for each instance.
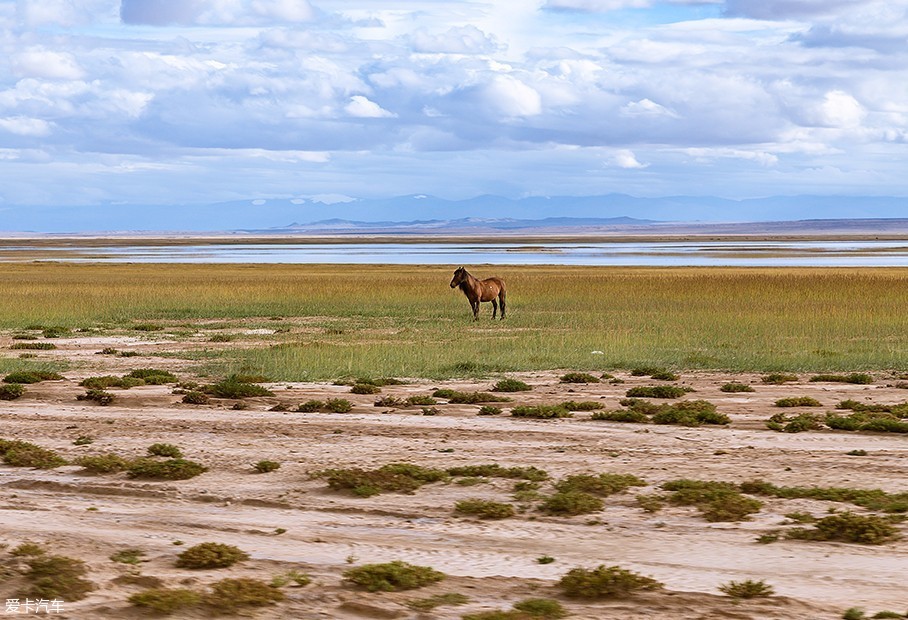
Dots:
(475, 310)
(494, 308)
(501, 300)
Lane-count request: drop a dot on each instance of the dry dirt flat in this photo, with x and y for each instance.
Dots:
(492, 562)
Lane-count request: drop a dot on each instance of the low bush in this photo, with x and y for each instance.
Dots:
(165, 601)
(195, 398)
(153, 376)
(855, 377)
(229, 596)
(127, 556)
(717, 501)
(849, 527)
(102, 463)
(32, 376)
(779, 378)
(171, 469)
(489, 410)
(263, 467)
(57, 577)
(872, 499)
(867, 421)
(11, 391)
(798, 401)
(494, 470)
(25, 454)
(664, 375)
(899, 410)
(484, 509)
(544, 608)
(585, 405)
(338, 405)
(38, 346)
(165, 449)
(690, 413)
(311, 406)
(419, 400)
(545, 412)
(794, 424)
(747, 589)
(604, 582)
(392, 576)
(572, 503)
(602, 485)
(511, 385)
(365, 388)
(732, 388)
(656, 391)
(393, 477)
(621, 416)
(210, 555)
(579, 377)
(439, 600)
(98, 396)
(389, 401)
(645, 371)
(231, 387)
(473, 398)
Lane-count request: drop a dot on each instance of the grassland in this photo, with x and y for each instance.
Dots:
(406, 321)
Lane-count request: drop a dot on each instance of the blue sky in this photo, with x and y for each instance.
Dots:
(124, 102)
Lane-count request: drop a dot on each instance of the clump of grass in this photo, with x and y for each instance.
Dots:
(857, 453)
(57, 577)
(469, 398)
(798, 401)
(25, 454)
(733, 387)
(872, 499)
(794, 424)
(210, 555)
(690, 413)
(389, 401)
(109, 381)
(127, 556)
(664, 375)
(392, 576)
(484, 509)
(165, 601)
(855, 377)
(897, 409)
(292, 576)
(545, 559)
(231, 595)
(233, 387)
(32, 376)
(431, 411)
(602, 485)
(657, 391)
(311, 406)
(165, 449)
(193, 397)
(621, 415)
(717, 501)
(171, 469)
(98, 396)
(579, 377)
(393, 477)
(747, 589)
(37, 346)
(439, 600)
(768, 538)
(338, 405)
(489, 410)
(511, 385)
(651, 503)
(849, 527)
(27, 549)
(645, 371)
(605, 582)
(779, 378)
(572, 503)
(420, 400)
(263, 467)
(153, 376)
(585, 405)
(867, 421)
(545, 412)
(147, 327)
(365, 388)
(221, 338)
(494, 470)
(11, 391)
(102, 463)
(83, 440)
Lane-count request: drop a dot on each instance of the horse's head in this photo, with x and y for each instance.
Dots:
(459, 276)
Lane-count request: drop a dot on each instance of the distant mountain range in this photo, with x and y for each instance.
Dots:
(611, 212)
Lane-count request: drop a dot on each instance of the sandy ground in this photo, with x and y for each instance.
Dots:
(492, 562)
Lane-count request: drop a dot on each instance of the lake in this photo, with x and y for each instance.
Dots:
(630, 253)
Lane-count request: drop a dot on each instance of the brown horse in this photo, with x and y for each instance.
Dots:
(480, 290)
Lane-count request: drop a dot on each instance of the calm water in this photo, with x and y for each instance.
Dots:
(682, 253)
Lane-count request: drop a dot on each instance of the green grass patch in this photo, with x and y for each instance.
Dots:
(571, 503)
(391, 478)
(494, 470)
(235, 595)
(543, 412)
(511, 385)
(798, 401)
(392, 576)
(747, 589)
(438, 600)
(11, 391)
(32, 376)
(871, 499)
(57, 577)
(690, 413)
(483, 509)
(585, 405)
(102, 463)
(210, 555)
(849, 527)
(855, 377)
(165, 601)
(171, 469)
(733, 388)
(602, 485)
(717, 501)
(794, 424)
(25, 454)
(779, 378)
(657, 391)
(605, 582)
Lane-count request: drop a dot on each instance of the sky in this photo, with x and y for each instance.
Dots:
(145, 102)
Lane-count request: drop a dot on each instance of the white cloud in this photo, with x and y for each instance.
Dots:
(625, 158)
(362, 107)
(512, 97)
(458, 40)
(43, 63)
(841, 110)
(645, 107)
(24, 126)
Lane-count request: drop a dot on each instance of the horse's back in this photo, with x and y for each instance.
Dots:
(491, 288)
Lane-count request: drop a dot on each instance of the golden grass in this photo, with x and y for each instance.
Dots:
(405, 320)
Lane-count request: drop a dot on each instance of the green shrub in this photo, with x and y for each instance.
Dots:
(736, 387)
(389, 401)
(778, 378)
(11, 391)
(27, 549)
(195, 398)
(128, 556)
(39, 346)
(656, 391)
(511, 385)
(854, 613)
(664, 375)
(338, 405)
(165, 601)
(393, 477)
(100, 383)
(165, 449)
(579, 377)
(798, 401)
(855, 377)
(717, 501)
(365, 388)
(795, 424)
(645, 371)
(639, 405)
(32, 376)
(231, 595)
(392, 576)
(430, 603)
(153, 376)
(546, 608)
(484, 509)
(494, 470)
(849, 527)
(475, 398)
(263, 467)
(867, 421)
(210, 555)
(572, 503)
(24, 454)
(489, 410)
(872, 499)
(171, 469)
(311, 406)
(621, 416)
(545, 412)
(899, 410)
(232, 388)
(690, 413)
(602, 485)
(604, 582)
(857, 453)
(99, 396)
(747, 589)
(586, 405)
(57, 577)
(651, 503)
(221, 338)
(102, 463)
(418, 400)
